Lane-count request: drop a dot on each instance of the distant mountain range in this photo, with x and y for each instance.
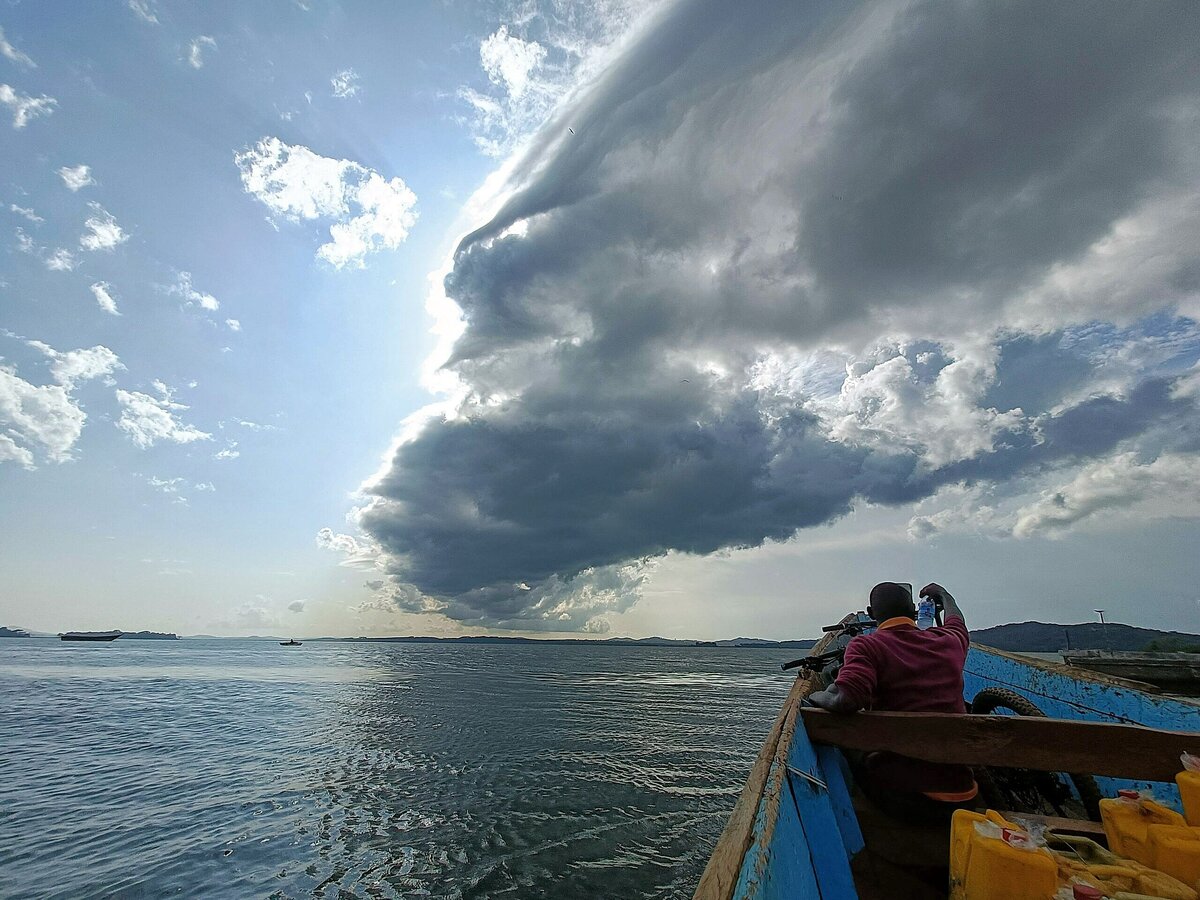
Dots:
(1033, 637)
(618, 641)
(1042, 637)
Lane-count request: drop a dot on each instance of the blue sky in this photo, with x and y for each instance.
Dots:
(741, 319)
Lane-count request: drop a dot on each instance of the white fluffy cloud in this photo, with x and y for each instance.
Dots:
(11, 451)
(102, 231)
(145, 10)
(358, 553)
(47, 418)
(233, 324)
(368, 212)
(102, 291)
(70, 367)
(345, 84)
(25, 107)
(175, 488)
(44, 416)
(887, 403)
(148, 420)
(26, 213)
(509, 61)
(196, 49)
(76, 177)
(526, 77)
(183, 288)
(1168, 486)
(9, 52)
(60, 260)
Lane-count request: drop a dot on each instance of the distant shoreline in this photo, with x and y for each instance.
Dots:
(1039, 637)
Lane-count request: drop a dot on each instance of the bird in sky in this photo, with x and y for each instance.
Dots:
(570, 129)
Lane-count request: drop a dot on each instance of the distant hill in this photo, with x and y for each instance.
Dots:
(1043, 637)
(742, 643)
(13, 632)
(148, 636)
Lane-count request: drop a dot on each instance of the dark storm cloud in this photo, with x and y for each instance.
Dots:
(756, 180)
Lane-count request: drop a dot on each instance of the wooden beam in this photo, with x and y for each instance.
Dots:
(1029, 742)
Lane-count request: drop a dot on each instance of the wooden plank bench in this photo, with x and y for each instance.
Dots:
(1028, 742)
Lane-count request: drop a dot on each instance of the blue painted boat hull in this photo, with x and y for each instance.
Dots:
(795, 832)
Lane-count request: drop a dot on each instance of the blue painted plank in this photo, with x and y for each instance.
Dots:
(793, 869)
(822, 831)
(837, 776)
(782, 866)
(806, 856)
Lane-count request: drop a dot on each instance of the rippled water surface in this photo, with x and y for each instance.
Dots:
(244, 769)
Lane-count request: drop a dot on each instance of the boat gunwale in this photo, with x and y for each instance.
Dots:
(1081, 674)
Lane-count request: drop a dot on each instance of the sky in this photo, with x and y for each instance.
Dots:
(563, 318)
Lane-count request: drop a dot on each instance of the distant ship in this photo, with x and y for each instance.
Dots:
(290, 643)
(89, 635)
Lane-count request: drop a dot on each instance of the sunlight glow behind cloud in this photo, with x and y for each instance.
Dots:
(681, 338)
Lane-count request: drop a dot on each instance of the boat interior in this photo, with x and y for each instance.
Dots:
(804, 828)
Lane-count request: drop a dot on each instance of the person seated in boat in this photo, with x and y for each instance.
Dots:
(901, 668)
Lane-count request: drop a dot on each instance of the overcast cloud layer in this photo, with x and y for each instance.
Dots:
(783, 258)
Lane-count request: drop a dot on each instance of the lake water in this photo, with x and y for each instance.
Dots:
(245, 769)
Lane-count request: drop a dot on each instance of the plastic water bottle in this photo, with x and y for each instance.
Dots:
(925, 615)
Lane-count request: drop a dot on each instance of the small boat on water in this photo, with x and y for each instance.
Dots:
(89, 635)
(292, 642)
(802, 829)
(1178, 673)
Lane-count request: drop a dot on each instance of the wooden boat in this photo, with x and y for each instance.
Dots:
(802, 830)
(89, 635)
(1174, 672)
(292, 642)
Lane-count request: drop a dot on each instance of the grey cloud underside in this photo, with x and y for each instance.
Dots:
(502, 502)
(775, 178)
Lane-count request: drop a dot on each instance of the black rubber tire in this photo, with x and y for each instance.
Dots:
(990, 699)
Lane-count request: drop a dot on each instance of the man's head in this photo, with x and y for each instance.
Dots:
(889, 599)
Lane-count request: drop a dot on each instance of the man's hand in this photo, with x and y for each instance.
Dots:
(944, 599)
(934, 591)
(834, 699)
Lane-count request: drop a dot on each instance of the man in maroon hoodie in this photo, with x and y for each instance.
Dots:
(899, 667)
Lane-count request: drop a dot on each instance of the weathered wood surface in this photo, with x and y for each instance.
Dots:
(1098, 681)
(1055, 745)
(1178, 671)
